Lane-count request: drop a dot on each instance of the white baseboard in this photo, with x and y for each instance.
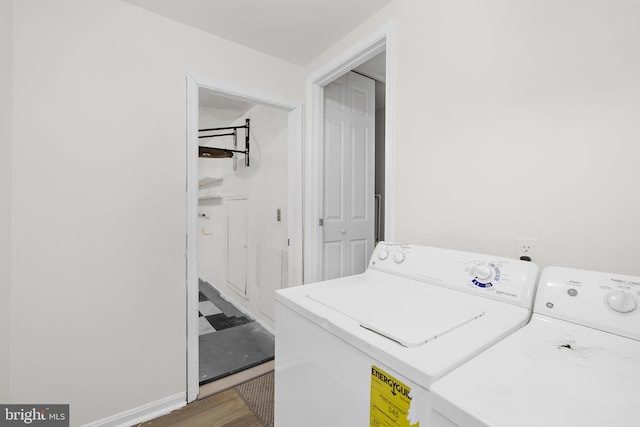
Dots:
(143, 413)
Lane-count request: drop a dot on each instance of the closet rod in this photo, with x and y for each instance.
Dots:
(212, 152)
(225, 128)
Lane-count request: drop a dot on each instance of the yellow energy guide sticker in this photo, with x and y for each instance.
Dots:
(390, 401)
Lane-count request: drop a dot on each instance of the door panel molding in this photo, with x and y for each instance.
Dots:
(349, 175)
(237, 243)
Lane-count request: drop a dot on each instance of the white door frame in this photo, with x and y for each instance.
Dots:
(294, 145)
(382, 39)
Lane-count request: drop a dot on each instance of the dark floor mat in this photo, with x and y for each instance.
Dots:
(222, 321)
(232, 350)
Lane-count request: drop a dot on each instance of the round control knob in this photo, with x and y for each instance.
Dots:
(383, 254)
(621, 301)
(398, 257)
(482, 272)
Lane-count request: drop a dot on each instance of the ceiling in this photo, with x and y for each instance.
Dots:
(296, 31)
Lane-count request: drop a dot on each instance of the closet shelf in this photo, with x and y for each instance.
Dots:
(214, 153)
(207, 181)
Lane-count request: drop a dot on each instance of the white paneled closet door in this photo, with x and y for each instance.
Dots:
(348, 175)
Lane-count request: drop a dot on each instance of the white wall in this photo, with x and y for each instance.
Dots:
(264, 183)
(99, 167)
(6, 69)
(518, 119)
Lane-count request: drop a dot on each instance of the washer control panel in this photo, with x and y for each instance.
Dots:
(605, 301)
(397, 254)
(485, 275)
(493, 277)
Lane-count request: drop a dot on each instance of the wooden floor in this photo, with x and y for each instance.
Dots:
(224, 409)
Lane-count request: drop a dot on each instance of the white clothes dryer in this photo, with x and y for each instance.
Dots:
(363, 350)
(576, 364)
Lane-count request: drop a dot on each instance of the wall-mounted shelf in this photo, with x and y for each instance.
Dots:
(207, 181)
(210, 197)
(220, 153)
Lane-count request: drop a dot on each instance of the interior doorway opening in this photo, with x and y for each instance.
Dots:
(353, 168)
(371, 58)
(242, 243)
(243, 233)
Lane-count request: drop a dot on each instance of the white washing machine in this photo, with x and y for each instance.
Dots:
(363, 350)
(576, 364)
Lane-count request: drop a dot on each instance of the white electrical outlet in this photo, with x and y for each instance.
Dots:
(526, 247)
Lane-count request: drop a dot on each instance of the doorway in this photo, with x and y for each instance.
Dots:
(243, 240)
(353, 169)
(374, 58)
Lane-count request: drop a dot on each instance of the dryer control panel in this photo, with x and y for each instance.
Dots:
(504, 279)
(605, 301)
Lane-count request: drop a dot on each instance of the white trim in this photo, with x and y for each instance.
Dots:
(229, 90)
(382, 39)
(142, 413)
(193, 332)
(390, 135)
(295, 208)
(240, 93)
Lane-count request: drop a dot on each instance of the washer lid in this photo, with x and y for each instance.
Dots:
(408, 313)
